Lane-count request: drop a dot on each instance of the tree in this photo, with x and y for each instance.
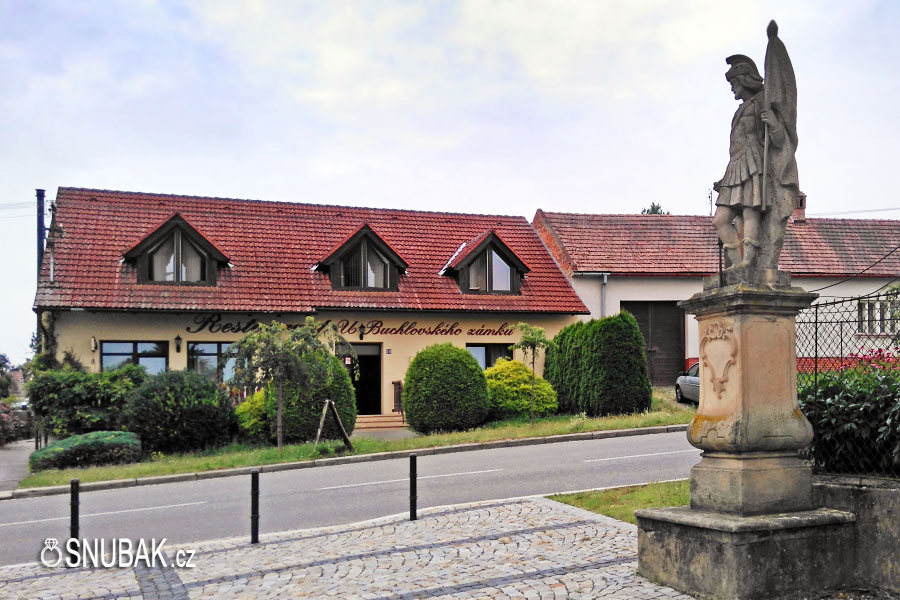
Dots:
(276, 355)
(5, 377)
(531, 343)
(655, 209)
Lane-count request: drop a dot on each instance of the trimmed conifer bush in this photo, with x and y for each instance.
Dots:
(303, 405)
(614, 367)
(445, 390)
(87, 450)
(509, 391)
(562, 364)
(180, 411)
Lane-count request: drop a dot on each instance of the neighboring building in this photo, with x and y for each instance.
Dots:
(169, 281)
(645, 264)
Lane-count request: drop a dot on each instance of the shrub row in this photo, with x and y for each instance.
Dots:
(95, 448)
(600, 367)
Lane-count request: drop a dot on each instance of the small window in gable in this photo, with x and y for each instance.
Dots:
(489, 272)
(176, 254)
(368, 264)
(491, 268)
(177, 260)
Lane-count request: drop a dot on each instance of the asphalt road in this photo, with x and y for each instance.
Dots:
(217, 508)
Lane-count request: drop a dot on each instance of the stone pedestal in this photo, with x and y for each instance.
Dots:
(751, 530)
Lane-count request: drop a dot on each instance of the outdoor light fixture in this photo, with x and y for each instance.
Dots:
(93, 344)
(362, 332)
(177, 343)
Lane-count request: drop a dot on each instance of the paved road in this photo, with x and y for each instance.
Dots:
(210, 509)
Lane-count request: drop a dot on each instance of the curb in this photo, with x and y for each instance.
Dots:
(340, 460)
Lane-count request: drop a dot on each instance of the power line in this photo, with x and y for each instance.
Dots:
(852, 212)
(855, 275)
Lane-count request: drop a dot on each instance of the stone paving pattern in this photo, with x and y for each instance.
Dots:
(533, 549)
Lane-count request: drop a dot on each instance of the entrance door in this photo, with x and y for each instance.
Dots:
(368, 386)
(662, 324)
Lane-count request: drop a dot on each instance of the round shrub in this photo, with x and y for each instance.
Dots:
(509, 390)
(303, 405)
(251, 417)
(87, 450)
(445, 390)
(180, 411)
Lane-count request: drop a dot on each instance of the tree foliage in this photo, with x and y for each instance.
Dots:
(5, 376)
(655, 209)
(532, 342)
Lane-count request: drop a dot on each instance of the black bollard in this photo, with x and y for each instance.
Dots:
(412, 487)
(254, 506)
(73, 504)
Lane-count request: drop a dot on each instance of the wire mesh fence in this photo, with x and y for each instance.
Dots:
(848, 382)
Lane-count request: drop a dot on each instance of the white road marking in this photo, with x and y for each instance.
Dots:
(641, 455)
(112, 512)
(338, 487)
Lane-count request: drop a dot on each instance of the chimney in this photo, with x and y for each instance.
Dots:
(799, 214)
(41, 230)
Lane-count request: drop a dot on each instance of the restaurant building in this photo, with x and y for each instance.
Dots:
(169, 281)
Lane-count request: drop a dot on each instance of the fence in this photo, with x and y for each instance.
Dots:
(848, 376)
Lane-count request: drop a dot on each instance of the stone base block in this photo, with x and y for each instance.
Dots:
(751, 483)
(728, 557)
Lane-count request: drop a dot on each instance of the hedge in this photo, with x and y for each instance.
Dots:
(72, 402)
(561, 364)
(509, 391)
(445, 390)
(87, 450)
(180, 411)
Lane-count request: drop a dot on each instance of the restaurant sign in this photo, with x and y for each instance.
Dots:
(216, 323)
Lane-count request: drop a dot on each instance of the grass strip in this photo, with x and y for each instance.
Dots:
(620, 503)
(664, 411)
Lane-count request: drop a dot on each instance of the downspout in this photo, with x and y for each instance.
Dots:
(603, 295)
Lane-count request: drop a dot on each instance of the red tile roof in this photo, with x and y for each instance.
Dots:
(273, 247)
(686, 245)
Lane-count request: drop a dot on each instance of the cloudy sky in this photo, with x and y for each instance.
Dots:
(472, 106)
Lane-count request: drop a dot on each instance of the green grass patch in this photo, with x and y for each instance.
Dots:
(620, 503)
(664, 411)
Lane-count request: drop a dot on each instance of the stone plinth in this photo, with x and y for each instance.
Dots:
(725, 557)
(748, 422)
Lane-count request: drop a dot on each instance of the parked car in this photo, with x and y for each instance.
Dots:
(687, 386)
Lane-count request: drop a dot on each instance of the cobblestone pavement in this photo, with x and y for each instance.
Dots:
(533, 549)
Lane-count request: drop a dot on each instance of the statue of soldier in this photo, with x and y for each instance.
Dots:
(759, 190)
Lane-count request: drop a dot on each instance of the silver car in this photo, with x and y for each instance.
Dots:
(687, 386)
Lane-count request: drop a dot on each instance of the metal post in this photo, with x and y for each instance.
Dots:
(254, 506)
(73, 504)
(412, 487)
(816, 352)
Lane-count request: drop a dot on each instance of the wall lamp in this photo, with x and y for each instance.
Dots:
(362, 332)
(93, 344)
(177, 343)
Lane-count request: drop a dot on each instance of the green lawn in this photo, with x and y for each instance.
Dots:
(620, 503)
(664, 411)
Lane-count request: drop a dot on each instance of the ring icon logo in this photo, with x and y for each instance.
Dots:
(51, 546)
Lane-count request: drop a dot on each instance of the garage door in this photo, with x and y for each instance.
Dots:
(662, 324)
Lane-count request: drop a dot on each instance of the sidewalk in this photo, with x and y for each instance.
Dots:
(14, 463)
(533, 549)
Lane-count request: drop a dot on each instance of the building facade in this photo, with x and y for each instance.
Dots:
(169, 281)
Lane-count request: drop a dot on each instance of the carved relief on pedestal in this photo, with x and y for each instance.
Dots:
(718, 364)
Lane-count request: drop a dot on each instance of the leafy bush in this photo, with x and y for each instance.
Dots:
(87, 450)
(509, 391)
(303, 404)
(72, 402)
(561, 367)
(855, 416)
(180, 411)
(445, 390)
(600, 367)
(251, 417)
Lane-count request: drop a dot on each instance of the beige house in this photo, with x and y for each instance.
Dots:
(168, 282)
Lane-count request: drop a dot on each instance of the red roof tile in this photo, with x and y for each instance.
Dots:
(273, 247)
(686, 245)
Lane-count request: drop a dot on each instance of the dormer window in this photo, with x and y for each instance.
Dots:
(486, 265)
(364, 261)
(176, 260)
(176, 254)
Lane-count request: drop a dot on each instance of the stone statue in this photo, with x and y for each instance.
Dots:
(759, 190)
